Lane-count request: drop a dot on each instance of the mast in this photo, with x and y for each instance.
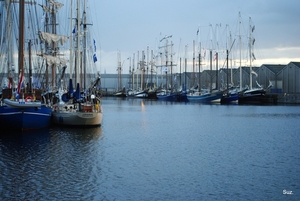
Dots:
(142, 63)
(8, 27)
(180, 71)
(217, 68)
(21, 42)
(217, 58)
(250, 51)
(171, 67)
(199, 57)
(185, 65)
(119, 71)
(210, 58)
(30, 68)
(227, 68)
(151, 70)
(54, 47)
(130, 73)
(84, 45)
(71, 41)
(227, 52)
(78, 43)
(9, 37)
(137, 68)
(133, 60)
(199, 78)
(240, 38)
(231, 78)
(147, 79)
(193, 77)
(166, 52)
(46, 29)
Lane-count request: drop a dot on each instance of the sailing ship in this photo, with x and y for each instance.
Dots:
(254, 95)
(20, 109)
(80, 107)
(121, 92)
(231, 93)
(206, 96)
(169, 93)
(140, 87)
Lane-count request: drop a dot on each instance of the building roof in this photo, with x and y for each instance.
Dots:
(210, 72)
(274, 68)
(296, 63)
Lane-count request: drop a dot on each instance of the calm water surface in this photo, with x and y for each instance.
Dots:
(155, 150)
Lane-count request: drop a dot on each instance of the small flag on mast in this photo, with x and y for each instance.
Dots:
(94, 45)
(95, 56)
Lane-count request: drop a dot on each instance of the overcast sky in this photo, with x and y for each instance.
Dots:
(132, 25)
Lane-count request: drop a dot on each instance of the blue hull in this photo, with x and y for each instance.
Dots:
(205, 98)
(169, 97)
(229, 99)
(182, 96)
(25, 118)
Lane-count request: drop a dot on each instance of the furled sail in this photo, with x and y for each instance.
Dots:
(55, 60)
(45, 8)
(49, 37)
(56, 4)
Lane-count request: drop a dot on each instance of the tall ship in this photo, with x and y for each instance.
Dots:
(80, 107)
(21, 108)
(255, 95)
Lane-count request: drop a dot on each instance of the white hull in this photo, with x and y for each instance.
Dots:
(77, 118)
(71, 117)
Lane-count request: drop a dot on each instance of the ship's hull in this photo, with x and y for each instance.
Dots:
(25, 118)
(77, 118)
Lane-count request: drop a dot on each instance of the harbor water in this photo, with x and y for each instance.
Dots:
(157, 150)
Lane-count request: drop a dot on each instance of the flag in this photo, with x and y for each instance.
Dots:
(95, 58)
(165, 69)
(20, 82)
(74, 30)
(197, 31)
(94, 45)
(215, 57)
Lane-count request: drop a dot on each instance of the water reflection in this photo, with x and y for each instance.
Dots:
(79, 133)
(156, 150)
(41, 163)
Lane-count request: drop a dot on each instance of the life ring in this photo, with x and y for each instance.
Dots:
(28, 97)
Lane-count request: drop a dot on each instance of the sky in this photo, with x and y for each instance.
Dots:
(131, 26)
